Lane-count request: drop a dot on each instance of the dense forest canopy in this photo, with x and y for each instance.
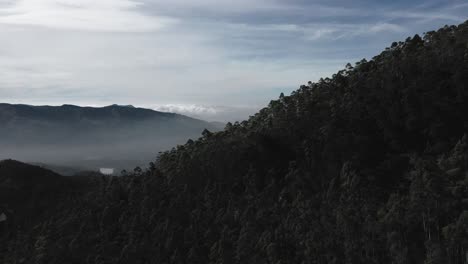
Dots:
(368, 166)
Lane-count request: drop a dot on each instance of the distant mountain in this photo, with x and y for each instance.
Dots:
(113, 136)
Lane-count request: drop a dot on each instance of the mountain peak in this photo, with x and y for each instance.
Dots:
(117, 105)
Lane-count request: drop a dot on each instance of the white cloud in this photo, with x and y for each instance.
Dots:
(308, 31)
(425, 15)
(221, 7)
(386, 27)
(340, 31)
(93, 15)
(191, 109)
(209, 112)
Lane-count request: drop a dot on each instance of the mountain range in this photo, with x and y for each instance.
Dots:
(115, 136)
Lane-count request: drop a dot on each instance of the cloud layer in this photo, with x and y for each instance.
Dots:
(89, 15)
(218, 60)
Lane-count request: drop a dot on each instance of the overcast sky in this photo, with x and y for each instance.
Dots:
(213, 59)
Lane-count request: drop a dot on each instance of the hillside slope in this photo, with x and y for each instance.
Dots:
(369, 166)
(30, 194)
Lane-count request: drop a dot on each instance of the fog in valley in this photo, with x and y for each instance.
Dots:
(70, 139)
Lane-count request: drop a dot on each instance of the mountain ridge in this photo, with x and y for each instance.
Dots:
(87, 111)
(77, 135)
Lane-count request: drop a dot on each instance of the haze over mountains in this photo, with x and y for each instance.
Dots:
(120, 137)
(368, 166)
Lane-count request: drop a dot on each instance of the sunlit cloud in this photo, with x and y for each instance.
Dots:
(102, 15)
(209, 112)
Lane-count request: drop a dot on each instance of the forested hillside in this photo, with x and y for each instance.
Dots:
(369, 166)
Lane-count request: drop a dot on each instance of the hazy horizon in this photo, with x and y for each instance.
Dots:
(221, 114)
(213, 60)
(115, 137)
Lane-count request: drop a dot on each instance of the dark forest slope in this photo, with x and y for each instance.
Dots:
(31, 194)
(369, 166)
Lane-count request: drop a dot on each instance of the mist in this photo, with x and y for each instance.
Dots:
(86, 138)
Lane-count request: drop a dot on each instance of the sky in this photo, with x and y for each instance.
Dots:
(218, 60)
